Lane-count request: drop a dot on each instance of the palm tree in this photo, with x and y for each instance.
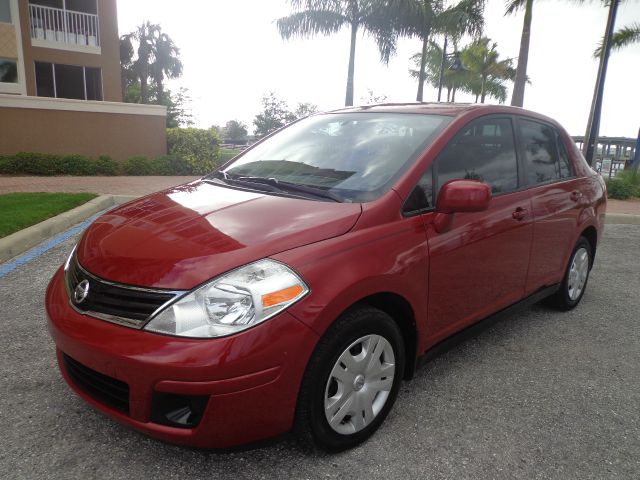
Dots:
(166, 63)
(452, 80)
(517, 98)
(312, 17)
(424, 19)
(158, 57)
(484, 74)
(487, 74)
(622, 38)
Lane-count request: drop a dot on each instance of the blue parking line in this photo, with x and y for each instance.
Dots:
(35, 252)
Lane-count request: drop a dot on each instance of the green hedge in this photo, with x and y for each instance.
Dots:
(626, 184)
(43, 164)
(198, 147)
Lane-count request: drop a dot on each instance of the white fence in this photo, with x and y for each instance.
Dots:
(64, 26)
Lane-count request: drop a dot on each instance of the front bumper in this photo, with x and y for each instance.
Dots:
(251, 379)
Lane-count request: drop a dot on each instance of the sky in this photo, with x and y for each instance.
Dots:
(233, 55)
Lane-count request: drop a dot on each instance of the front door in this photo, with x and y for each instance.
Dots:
(480, 265)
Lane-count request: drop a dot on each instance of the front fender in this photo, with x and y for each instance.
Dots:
(389, 258)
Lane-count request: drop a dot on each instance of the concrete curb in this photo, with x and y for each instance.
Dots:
(621, 219)
(21, 241)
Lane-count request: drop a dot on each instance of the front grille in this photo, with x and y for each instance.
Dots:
(127, 305)
(107, 390)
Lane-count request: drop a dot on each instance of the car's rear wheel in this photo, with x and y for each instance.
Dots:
(575, 278)
(351, 381)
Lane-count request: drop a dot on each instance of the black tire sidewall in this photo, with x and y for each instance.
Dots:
(354, 325)
(565, 300)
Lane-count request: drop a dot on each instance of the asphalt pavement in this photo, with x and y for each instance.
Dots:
(542, 395)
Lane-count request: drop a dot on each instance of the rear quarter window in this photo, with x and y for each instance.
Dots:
(541, 157)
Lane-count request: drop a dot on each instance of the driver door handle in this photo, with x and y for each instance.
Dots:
(519, 214)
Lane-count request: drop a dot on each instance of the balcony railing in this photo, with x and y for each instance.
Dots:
(64, 26)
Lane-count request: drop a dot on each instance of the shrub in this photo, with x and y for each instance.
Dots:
(197, 146)
(28, 163)
(105, 165)
(7, 165)
(137, 165)
(619, 189)
(171, 165)
(77, 165)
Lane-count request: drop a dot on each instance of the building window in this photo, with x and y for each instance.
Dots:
(68, 81)
(5, 11)
(8, 71)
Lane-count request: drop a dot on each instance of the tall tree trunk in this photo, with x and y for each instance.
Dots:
(448, 94)
(160, 88)
(348, 102)
(517, 99)
(144, 88)
(423, 64)
(483, 93)
(453, 94)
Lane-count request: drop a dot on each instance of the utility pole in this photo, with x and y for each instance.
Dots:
(593, 124)
(635, 164)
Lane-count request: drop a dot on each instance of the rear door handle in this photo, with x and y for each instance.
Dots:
(576, 195)
(519, 214)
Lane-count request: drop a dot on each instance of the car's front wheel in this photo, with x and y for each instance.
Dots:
(351, 381)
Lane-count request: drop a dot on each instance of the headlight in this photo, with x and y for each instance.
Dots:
(232, 302)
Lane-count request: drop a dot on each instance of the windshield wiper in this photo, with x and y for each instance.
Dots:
(273, 185)
(226, 178)
(290, 187)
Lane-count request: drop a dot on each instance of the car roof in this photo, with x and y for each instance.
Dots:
(449, 109)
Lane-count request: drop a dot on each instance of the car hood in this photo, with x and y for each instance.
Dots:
(182, 237)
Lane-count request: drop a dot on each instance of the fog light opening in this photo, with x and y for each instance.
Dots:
(180, 411)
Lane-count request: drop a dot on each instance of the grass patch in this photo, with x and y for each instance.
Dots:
(21, 210)
(226, 154)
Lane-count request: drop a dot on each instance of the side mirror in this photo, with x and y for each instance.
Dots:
(457, 196)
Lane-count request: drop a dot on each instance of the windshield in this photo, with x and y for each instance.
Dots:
(354, 157)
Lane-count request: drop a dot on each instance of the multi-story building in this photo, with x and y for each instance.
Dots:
(60, 83)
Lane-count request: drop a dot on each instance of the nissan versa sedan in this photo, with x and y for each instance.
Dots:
(297, 286)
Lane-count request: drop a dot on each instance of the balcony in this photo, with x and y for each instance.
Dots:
(61, 28)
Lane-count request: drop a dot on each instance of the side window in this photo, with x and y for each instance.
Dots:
(540, 152)
(483, 150)
(421, 198)
(565, 164)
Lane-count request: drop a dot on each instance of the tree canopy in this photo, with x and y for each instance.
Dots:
(148, 57)
(313, 17)
(276, 114)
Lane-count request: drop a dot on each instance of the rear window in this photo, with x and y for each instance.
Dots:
(355, 156)
(541, 153)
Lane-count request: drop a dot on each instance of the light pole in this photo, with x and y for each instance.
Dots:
(593, 124)
(455, 66)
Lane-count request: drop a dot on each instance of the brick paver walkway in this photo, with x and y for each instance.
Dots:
(139, 186)
(136, 186)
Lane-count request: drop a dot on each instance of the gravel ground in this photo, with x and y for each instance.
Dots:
(539, 395)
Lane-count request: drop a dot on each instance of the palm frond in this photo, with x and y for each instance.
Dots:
(309, 23)
(466, 17)
(512, 6)
(622, 38)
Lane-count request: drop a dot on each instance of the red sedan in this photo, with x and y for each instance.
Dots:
(299, 284)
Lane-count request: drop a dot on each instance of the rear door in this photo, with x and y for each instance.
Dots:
(556, 200)
(480, 265)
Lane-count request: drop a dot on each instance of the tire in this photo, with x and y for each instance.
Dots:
(348, 380)
(575, 278)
